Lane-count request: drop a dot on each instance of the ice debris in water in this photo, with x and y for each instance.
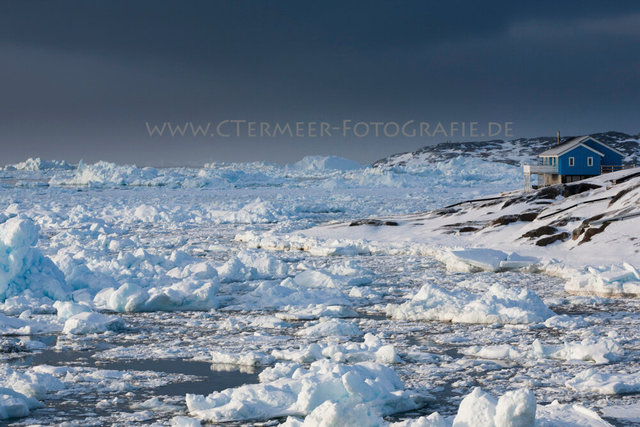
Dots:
(252, 265)
(372, 349)
(187, 294)
(590, 349)
(290, 389)
(91, 323)
(20, 391)
(609, 281)
(592, 381)
(331, 327)
(496, 305)
(516, 408)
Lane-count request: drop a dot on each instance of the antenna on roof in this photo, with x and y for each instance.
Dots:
(558, 137)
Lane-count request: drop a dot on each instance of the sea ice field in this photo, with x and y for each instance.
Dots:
(198, 296)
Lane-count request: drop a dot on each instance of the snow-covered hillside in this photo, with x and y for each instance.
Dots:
(560, 229)
(513, 152)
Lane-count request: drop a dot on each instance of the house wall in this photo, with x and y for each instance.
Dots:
(549, 179)
(611, 158)
(580, 154)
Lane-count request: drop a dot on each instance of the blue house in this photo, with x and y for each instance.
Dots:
(576, 159)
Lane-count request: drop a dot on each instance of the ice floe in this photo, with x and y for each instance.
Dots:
(290, 389)
(331, 327)
(297, 298)
(483, 259)
(251, 265)
(20, 391)
(372, 348)
(91, 323)
(591, 349)
(592, 381)
(516, 408)
(183, 295)
(609, 281)
(497, 305)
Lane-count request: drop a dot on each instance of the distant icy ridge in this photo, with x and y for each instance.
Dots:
(319, 163)
(325, 171)
(38, 164)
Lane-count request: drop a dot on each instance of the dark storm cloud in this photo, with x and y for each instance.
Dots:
(206, 32)
(80, 79)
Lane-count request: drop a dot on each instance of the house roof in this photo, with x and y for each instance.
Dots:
(573, 143)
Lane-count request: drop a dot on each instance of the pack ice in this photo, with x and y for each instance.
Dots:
(330, 282)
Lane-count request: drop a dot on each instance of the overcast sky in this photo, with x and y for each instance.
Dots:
(81, 80)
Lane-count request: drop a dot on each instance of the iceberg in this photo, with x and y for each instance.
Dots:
(23, 267)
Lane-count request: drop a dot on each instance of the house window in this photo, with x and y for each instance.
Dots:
(572, 161)
(589, 161)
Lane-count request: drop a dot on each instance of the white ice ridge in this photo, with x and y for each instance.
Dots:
(325, 172)
(324, 163)
(497, 305)
(38, 164)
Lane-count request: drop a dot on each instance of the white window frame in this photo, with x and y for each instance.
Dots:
(572, 161)
(589, 161)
